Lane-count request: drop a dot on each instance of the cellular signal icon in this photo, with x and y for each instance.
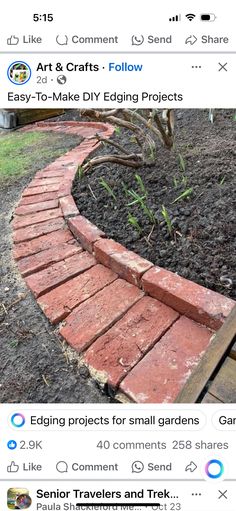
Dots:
(176, 18)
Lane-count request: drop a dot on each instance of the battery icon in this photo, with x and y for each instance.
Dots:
(208, 17)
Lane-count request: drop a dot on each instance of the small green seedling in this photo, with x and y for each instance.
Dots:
(184, 180)
(222, 181)
(167, 219)
(14, 343)
(141, 184)
(117, 130)
(182, 164)
(138, 199)
(183, 195)
(106, 186)
(80, 172)
(134, 222)
(175, 181)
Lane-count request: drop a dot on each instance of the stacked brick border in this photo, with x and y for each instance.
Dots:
(47, 207)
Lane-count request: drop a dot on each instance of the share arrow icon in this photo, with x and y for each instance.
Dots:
(191, 467)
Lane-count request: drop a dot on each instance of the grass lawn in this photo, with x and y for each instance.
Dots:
(21, 153)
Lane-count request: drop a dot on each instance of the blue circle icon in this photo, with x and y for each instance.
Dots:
(11, 444)
(214, 469)
(19, 72)
(18, 420)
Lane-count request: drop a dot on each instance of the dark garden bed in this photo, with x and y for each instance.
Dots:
(200, 243)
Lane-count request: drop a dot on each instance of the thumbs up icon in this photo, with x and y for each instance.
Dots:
(13, 467)
(13, 40)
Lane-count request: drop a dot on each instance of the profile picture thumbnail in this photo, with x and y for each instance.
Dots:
(19, 72)
(18, 498)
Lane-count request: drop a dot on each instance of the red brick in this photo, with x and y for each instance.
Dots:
(41, 260)
(65, 188)
(110, 130)
(45, 181)
(57, 273)
(69, 173)
(86, 232)
(86, 132)
(69, 158)
(66, 172)
(81, 157)
(127, 264)
(112, 356)
(42, 243)
(196, 302)
(34, 231)
(42, 197)
(68, 206)
(34, 208)
(163, 372)
(88, 144)
(59, 302)
(74, 155)
(99, 313)
(54, 166)
(50, 173)
(35, 218)
(40, 189)
(96, 126)
(85, 152)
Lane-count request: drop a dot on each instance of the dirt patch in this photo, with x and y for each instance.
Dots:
(35, 366)
(202, 243)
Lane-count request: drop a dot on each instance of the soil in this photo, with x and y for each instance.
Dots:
(35, 365)
(202, 243)
(69, 115)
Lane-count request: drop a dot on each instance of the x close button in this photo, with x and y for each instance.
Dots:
(223, 494)
(223, 67)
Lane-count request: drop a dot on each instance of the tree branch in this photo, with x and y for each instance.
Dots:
(117, 121)
(146, 123)
(127, 161)
(96, 113)
(112, 143)
(165, 137)
(170, 122)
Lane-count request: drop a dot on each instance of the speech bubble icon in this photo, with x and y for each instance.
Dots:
(137, 467)
(62, 40)
(62, 467)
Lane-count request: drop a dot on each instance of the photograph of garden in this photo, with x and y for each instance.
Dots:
(118, 268)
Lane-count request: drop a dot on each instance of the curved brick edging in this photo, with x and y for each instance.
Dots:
(140, 329)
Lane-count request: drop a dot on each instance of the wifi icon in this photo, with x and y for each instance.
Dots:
(190, 17)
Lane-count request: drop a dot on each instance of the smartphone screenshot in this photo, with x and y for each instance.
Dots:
(118, 245)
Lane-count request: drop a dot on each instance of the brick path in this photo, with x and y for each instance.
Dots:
(140, 329)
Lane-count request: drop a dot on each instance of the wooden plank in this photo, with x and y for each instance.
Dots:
(233, 351)
(10, 117)
(220, 344)
(224, 384)
(209, 398)
(26, 116)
